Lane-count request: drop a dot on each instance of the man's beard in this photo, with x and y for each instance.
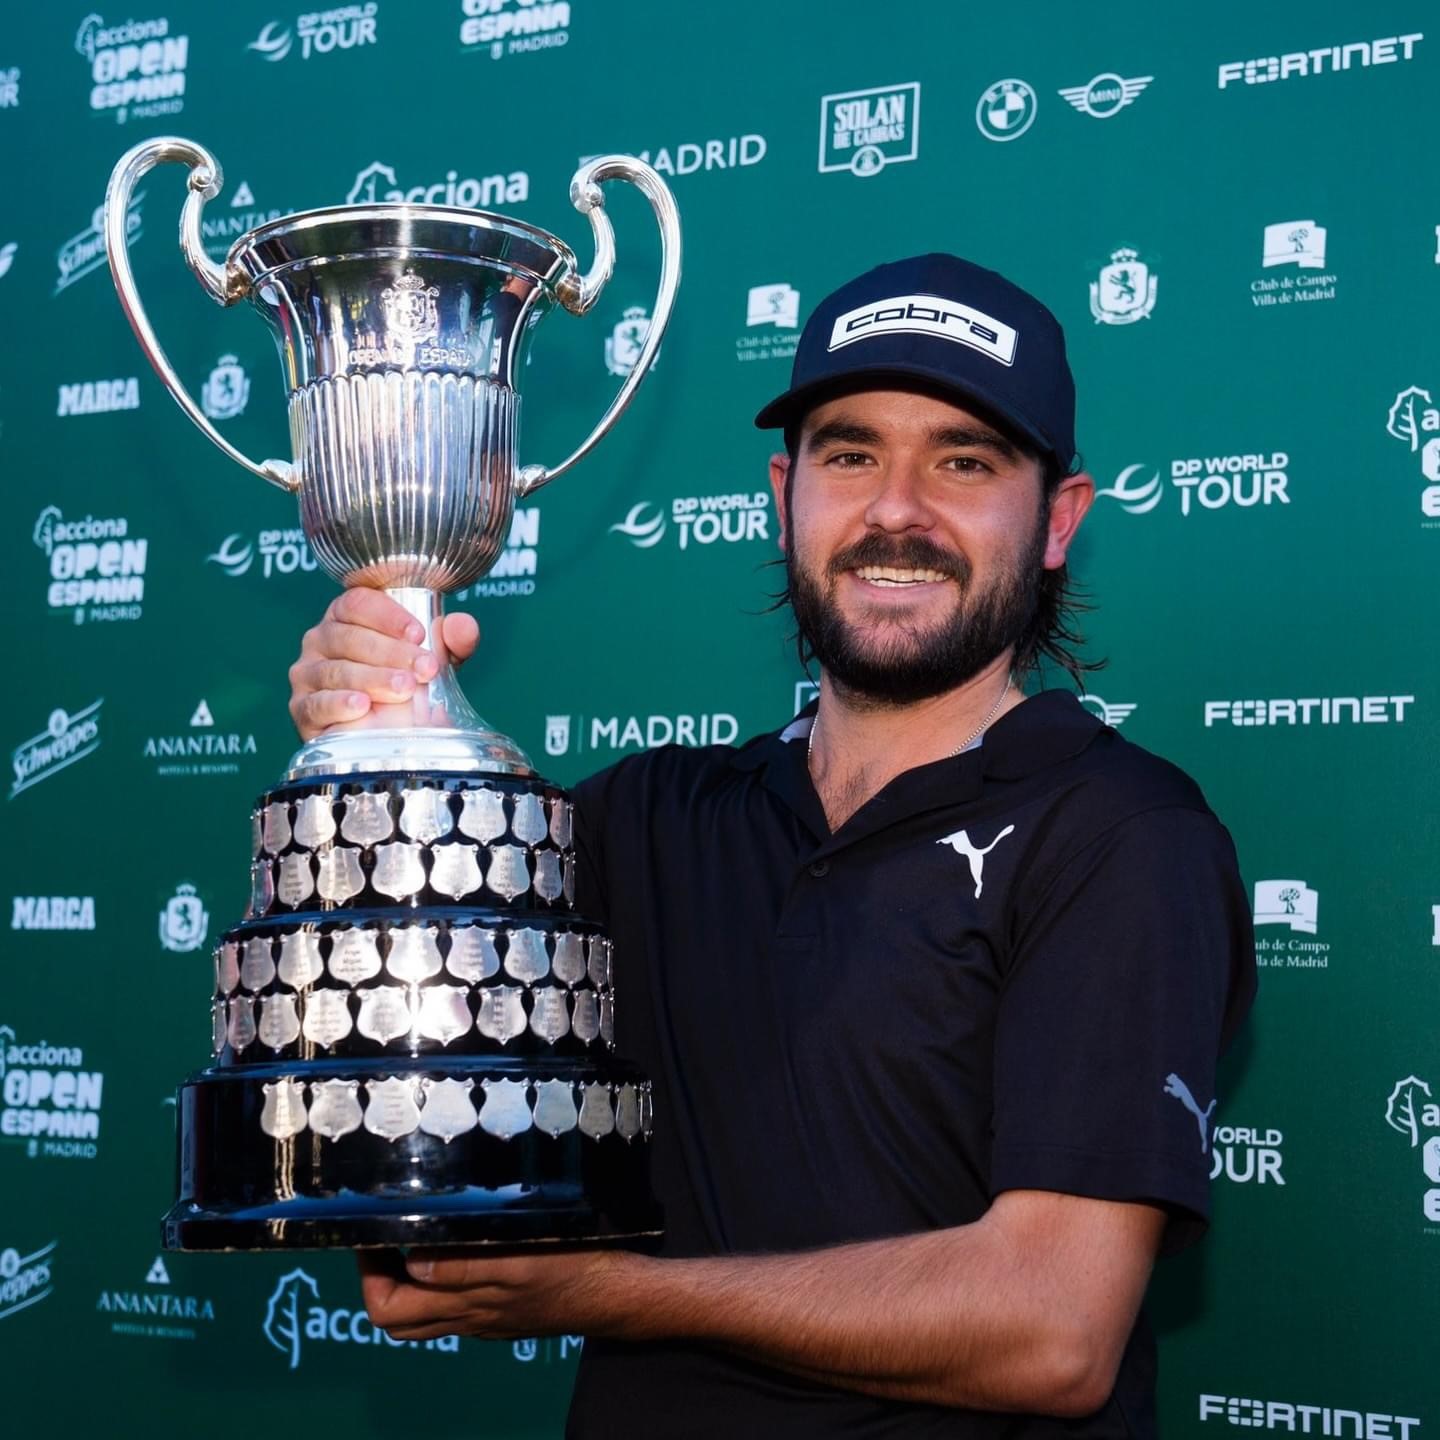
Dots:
(914, 662)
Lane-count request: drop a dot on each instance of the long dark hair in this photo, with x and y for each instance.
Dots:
(1051, 637)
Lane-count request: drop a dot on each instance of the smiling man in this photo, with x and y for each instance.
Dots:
(918, 977)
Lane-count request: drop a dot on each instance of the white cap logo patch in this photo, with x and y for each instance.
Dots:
(927, 315)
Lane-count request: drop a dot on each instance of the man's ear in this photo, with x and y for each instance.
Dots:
(779, 469)
(1072, 498)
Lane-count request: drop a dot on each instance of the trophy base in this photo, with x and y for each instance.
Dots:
(418, 748)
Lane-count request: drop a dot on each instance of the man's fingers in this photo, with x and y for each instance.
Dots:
(321, 709)
(335, 640)
(461, 634)
(375, 610)
(384, 686)
(392, 1305)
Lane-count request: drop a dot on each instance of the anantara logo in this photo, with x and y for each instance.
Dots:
(154, 1312)
(212, 752)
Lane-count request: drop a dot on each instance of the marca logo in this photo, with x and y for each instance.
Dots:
(98, 397)
(1310, 710)
(1328, 59)
(1300, 1419)
(64, 740)
(10, 88)
(320, 32)
(637, 732)
(85, 252)
(863, 131)
(701, 519)
(927, 315)
(50, 1102)
(227, 391)
(219, 231)
(92, 562)
(514, 572)
(25, 1279)
(1106, 95)
(281, 552)
(294, 1315)
(514, 27)
(1125, 289)
(377, 182)
(212, 752)
(1006, 110)
(137, 68)
(184, 921)
(1209, 482)
(1246, 1156)
(153, 1313)
(53, 912)
(1112, 715)
(1295, 905)
(1415, 421)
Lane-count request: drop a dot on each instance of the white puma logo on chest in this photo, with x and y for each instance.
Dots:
(961, 843)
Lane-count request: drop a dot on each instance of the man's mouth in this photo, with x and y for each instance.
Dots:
(895, 575)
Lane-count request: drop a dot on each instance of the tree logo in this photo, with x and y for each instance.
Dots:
(282, 1316)
(1407, 1115)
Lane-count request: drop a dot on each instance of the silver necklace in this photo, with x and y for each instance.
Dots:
(969, 740)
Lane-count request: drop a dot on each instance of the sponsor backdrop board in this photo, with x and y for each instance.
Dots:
(1229, 213)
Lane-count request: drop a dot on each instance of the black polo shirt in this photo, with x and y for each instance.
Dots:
(1013, 969)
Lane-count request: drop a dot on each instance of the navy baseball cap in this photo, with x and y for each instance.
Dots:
(949, 325)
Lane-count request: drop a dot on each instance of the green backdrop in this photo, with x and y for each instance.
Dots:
(1233, 212)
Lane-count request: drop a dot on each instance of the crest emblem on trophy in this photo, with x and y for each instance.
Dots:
(413, 1030)
(1124, 291)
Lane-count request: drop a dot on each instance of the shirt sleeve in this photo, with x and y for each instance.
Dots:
(1131, 967)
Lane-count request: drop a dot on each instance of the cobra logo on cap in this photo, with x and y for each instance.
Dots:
(927, 315)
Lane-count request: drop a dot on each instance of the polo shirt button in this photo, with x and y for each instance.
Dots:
(820, 869)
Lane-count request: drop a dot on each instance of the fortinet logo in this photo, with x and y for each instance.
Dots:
(927, 315)
(1336, 710)
(1303, 63)
(1306, 1419)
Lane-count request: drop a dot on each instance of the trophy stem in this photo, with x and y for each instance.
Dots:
(436, 729)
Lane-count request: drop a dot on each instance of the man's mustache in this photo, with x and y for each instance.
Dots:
(901, 552)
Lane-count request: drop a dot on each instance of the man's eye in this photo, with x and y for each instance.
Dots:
(848, 458)
(968, 465)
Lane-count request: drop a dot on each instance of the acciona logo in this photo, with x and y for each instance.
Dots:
(1298, 1419)
(25, 1280)
(1411, 1111)
(1309, 710)
(65, 740)
(1414, 420)
(280, 552)
(690, 157)
(698, 520)
(1325, 60)
(377, 182)
(85, 252)
(295, 1317)
(51, 1103)
(52, 912)
(1205, 483)
(137, 68)
(636, 732)
(320, 32)
(97, 568)
(514, 27)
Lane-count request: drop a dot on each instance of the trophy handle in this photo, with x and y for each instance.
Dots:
(578, 294)
(222, 285)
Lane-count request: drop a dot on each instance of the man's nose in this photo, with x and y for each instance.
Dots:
(899, 501)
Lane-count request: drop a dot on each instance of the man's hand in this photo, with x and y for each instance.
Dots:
(366, 652)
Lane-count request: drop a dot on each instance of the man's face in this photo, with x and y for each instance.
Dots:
(915, 542)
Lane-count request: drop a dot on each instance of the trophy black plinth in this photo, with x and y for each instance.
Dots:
(413, 1033)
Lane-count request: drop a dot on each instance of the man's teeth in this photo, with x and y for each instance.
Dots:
(888, 575)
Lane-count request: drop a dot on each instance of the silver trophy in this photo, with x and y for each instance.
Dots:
(412, 1030)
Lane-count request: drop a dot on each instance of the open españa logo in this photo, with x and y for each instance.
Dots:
(294, 1315)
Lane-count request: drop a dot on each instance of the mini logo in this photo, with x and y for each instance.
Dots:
(1175, 1086)
(227, 390)
(961, 843)
(93, 562)
(777, 305)
(557, 734)
(1106, 94)
(641, 528)
(1113, 715)
(320, 33)
(1287, 902)
(410, 309)
(47, 1100)
(623, 345)
(7, 256)
(1414, 420)
(85, 252)
(1006, 110)
(1295, 242)
(377, 182)
(1136, 496)
(1124, 291)
(137, 67)
(53, 912)
(1326, 60)
(863, 131)
(514, 27)
(24, 1279)
(184, 921)
(64, 740)
(927, 315)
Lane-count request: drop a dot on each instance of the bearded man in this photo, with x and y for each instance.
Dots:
(923, 979)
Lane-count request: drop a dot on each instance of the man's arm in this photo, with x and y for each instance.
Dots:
(1028, 1310)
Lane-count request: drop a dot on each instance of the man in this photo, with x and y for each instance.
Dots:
(923, 979)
